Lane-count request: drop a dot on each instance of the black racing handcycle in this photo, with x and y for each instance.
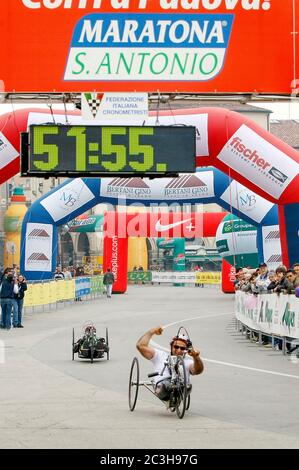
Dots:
(90, 346)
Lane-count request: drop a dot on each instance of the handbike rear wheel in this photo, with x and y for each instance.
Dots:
(133, 384)
(182, 382)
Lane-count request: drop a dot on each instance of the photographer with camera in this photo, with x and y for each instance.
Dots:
(19, 301)
(179, 346)
(9, 287)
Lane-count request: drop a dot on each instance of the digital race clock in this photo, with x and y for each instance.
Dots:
(65, 150)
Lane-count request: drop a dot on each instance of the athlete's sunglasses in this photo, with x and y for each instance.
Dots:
(182, 348)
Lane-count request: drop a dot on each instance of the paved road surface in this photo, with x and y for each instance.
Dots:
(246, 398)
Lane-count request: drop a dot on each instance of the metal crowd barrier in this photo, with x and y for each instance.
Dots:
(283, 316)
(62, 303)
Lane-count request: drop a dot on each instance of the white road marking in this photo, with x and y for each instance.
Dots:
(228, 364)
(196, 318)
(254, 369)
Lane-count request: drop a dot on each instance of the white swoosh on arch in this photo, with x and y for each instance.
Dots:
(163, 228)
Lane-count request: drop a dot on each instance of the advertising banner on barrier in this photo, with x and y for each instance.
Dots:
(193, 46)
(289, 316)
(69, 289)
(179, 277)
(145, 276)
(28, 299)
(269, 313)
(83, 285)
(267, 304)
(65, 290)
(208, 278)
(97, 285)
(52, 292)
(246, 309)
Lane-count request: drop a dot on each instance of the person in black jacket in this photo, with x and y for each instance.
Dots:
(19, 299)
(108, 282)
(282, 284)
(8, 288)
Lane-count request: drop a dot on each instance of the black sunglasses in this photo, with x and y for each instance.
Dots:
(182, 348)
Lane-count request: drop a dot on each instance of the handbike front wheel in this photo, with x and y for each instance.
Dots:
(91, 354)
(107, 344)
(133, 384)
(182, 388)
(188, 402)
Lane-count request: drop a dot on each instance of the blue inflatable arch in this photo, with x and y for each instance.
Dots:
(75, 196)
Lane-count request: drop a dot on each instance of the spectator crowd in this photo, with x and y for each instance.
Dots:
(262, 281)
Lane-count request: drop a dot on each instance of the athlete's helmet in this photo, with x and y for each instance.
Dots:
(182, 335)
(90, 329)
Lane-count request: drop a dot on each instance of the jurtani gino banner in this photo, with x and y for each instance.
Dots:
(205, 46)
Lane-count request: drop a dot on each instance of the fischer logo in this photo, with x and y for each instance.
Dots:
(251, 155)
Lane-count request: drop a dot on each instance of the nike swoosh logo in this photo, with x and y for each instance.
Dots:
(163, 228)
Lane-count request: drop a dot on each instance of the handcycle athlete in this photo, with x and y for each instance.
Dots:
(180, 345)
(90, 346)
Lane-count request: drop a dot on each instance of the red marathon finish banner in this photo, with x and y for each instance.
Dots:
(205, 46)
(153, 225)
(164, 224)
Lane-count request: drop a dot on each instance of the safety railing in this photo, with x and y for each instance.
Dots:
(191, 278)
(54, 294)
(269, 315)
